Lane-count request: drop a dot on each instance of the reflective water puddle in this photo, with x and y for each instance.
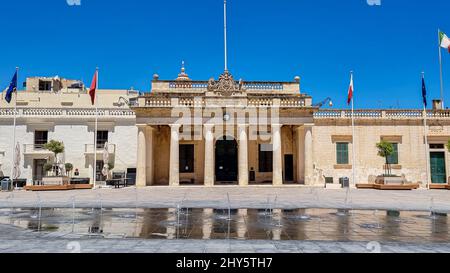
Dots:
(245, 224)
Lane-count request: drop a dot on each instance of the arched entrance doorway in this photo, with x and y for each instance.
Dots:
(226, 160)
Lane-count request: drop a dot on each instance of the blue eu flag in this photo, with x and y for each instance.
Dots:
(424, 92)
(12, 88)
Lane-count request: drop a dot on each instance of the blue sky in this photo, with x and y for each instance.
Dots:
(387, 46)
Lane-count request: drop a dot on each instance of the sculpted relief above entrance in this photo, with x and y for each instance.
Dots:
(226, 86)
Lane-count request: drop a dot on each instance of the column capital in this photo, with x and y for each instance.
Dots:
(175, 126)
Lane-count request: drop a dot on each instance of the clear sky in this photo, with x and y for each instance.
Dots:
(387, 46)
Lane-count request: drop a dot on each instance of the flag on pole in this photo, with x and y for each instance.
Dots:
(444, 41)
(12, 88)
(350, 90)
(93, 88)
(424, 92)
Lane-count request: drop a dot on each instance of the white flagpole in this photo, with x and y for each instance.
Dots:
(225, 33)
(14, 127)
(440, 69)
(353, 133)
(96, 128)
(425, 132)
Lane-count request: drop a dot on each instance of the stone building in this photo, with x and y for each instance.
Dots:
(221, 132)
(224, 131)
(60, 109)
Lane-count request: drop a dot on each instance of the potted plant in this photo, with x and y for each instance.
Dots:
(57, 178)
(69, 168)
(56, 147)
(385, 150)
(48, 167)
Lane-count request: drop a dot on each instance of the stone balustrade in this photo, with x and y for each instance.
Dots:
(161, 102)
(200, 85)
(203, 85)
(382, 114)
(35, 149)
(263, 86)
(89, 148)
(38, 112)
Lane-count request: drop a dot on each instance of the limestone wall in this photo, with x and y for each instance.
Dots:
(411, 145)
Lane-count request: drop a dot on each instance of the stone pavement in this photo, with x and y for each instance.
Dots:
(15, 240)
(287, 197)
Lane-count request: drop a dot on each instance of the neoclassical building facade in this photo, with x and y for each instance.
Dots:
(221, 132)
(233, 132)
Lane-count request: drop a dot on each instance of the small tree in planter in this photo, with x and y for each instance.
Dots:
(56, 147)
(386, 149)
(69, 168)
(48, 167)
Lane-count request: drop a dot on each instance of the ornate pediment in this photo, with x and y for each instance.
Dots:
(226, 85)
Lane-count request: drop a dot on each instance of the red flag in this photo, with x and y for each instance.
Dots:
(350, 91)
(93, 88)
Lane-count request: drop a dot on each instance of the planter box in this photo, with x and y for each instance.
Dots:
(382, 180)
(55, 181)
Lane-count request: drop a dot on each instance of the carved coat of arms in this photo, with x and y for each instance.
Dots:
(226, 85)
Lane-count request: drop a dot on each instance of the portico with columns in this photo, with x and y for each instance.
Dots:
(224, 132)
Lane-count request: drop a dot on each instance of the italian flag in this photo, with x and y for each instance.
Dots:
(444, 41)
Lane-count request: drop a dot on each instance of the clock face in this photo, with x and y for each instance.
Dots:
(226, 117)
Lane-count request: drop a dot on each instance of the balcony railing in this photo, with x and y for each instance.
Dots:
(382, 114)
(89, 148)
(35, 149)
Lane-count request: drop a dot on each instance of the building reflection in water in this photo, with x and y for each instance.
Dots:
(207, 223)
(439, 227)
(97, 222)
(242, 224)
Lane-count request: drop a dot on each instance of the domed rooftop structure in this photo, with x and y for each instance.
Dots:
(183, 76)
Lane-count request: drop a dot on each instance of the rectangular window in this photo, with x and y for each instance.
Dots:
(45, 85)
(342, 153)
(393, 159)
(434, 146)
(186, 158)
(265, 158)
(102, 138)
(40, 138)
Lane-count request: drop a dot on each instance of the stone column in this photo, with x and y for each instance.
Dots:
(243, 155)
(141, 176)
(207, 224)
(277, 156)
(149, 156)
(309, 165)
(300, 154)
(209, 156)
(174, 165)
